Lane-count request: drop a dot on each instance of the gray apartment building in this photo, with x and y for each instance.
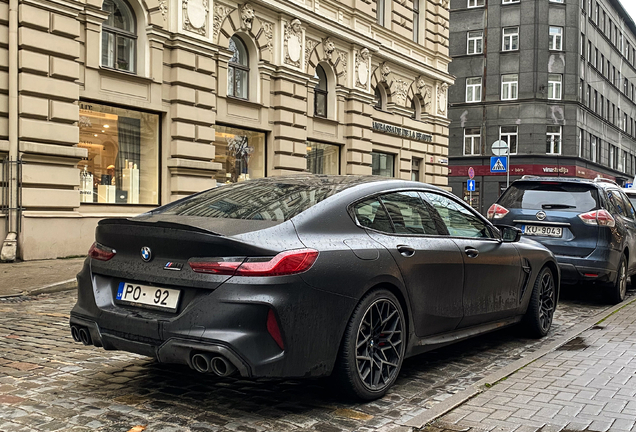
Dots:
(553, 78)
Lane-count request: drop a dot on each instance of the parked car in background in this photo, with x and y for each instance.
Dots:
(308, 276)
(590, 225)
(631, 194)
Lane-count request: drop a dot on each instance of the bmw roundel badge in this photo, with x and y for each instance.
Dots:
(146, 253)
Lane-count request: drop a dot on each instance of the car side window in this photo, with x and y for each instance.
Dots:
(629, 208)
(459, 220)
(409, 214)
(371, 214)
(616, 201)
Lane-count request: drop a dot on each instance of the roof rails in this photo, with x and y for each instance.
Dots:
(604, 180)
(529, 176)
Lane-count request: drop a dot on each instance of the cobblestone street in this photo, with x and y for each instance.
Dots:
(49, 383)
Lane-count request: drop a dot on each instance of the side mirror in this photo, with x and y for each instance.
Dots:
(509, 234)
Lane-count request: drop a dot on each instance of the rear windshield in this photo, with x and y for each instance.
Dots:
(256, 200)
(551, 196)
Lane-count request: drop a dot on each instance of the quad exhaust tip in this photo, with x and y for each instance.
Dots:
(75, 334)
(218, 365)
(81, 334)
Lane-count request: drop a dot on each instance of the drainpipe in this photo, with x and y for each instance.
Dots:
(10, 244)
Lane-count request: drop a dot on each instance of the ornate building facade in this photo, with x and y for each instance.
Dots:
(109, 108)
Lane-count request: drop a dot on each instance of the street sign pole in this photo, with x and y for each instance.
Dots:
(508, 171)
(500, 148)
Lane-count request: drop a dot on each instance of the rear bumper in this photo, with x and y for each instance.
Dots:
(599, 266)
(230, 321)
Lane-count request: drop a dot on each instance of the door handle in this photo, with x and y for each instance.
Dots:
(406, 251)
(471, 252)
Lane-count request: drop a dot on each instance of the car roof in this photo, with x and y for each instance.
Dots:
(601, 182)
(349, 181)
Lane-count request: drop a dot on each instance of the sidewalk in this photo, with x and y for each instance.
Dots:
(588, 384)
(38, 276)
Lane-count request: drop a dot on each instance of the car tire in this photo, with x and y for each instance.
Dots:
(373, 347)
(616, 292)
(538, 318)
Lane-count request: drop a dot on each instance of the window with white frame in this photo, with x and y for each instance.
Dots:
(510, 39)
(553, 140)
(556, 1)
(509, 86)
(554, 86)
(472, 141)
(119, 36)
(238, 70)
(416, 20)
(379, 11)
(475, 42)
(475, 3)
(556, 39)
(509, 1)
(509, 135)
(473, 89)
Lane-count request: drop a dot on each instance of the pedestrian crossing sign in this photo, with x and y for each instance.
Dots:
(498, 164)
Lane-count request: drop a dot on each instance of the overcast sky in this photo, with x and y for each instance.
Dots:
(630, 5)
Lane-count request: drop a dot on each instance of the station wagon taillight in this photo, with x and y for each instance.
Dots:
(285, 263)
(496, 212)
(101, 252)
(598, 217)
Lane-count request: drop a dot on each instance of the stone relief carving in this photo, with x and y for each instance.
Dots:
(362, 68)
(426, 91)
(163, 7)
(329, 47)
(195, 16)
(220, 13)
(247, 16)
(310, 44)
(342, 55)
(441, 98)
(401, 90)
(385, 71)
(268, 29)
(293, 43)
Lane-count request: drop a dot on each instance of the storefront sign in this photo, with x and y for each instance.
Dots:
(402, 132)
(538, 170)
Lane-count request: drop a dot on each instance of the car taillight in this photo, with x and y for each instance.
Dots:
(598, 217)
(101, 252)
(285, 263)
(496, 212)
(274, 330)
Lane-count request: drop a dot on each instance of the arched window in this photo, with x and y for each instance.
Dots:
(417, 108)
(119, 36)
(380, 98)
(320, 93)
(238, 70)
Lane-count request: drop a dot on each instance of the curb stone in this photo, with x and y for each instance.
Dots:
(53, 288)
(442, 408)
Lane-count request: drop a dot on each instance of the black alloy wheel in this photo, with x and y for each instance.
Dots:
(373, 346)
(540, 312)
(617, 291)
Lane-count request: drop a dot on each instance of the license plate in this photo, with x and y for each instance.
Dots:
(148, 296)
(538, 230)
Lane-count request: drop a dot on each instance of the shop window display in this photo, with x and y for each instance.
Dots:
(241, 154)
(323, 158)
(122, 166)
